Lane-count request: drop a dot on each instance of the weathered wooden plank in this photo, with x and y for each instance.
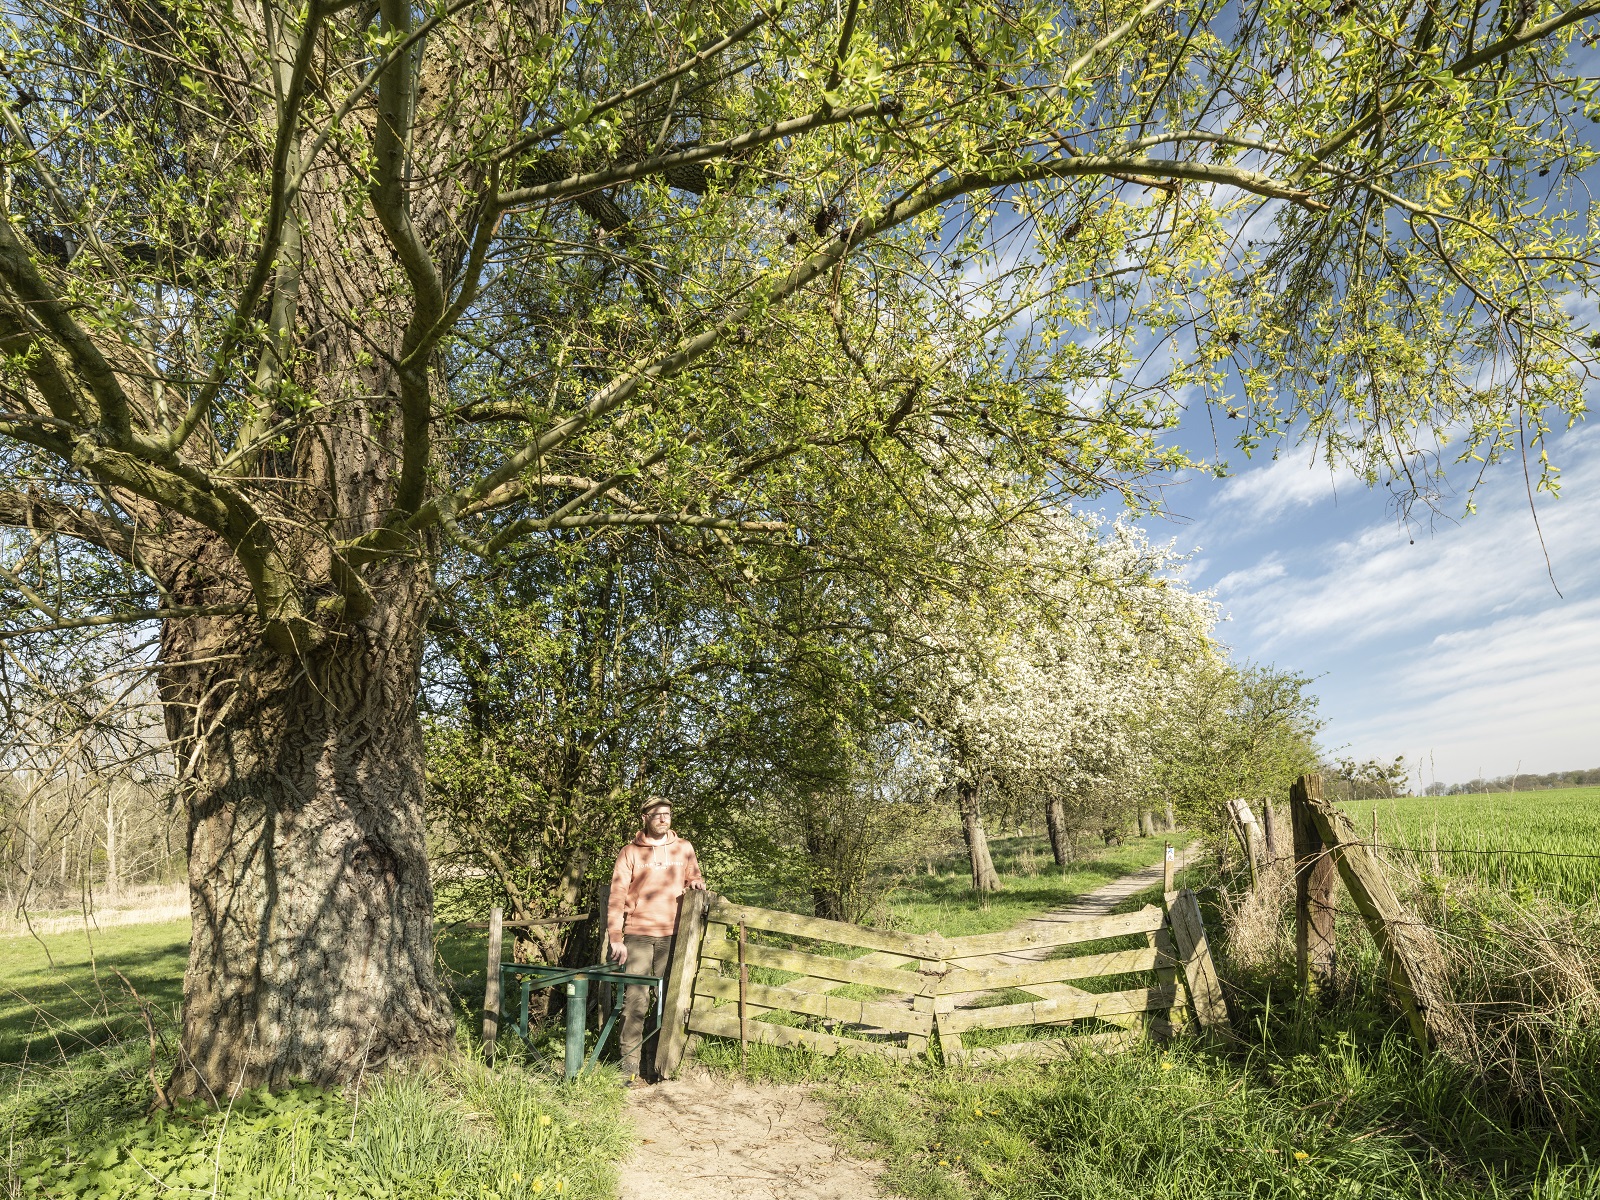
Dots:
(1109, 1042)
(1051, 970)
(1411, 956)
(846, 970)
(917, 1043)
(1169, 976)
(1048, 1012)
(675, 1003)
(816, 1004)
(1205, 989)
(878, 958)
(1054, 933)
(914, 946)
(724, 1024)
(1045, 991)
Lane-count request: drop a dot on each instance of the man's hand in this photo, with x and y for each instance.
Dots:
(698, 885)
(619, 953)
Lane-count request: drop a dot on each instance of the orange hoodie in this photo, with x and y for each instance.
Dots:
(646, 884)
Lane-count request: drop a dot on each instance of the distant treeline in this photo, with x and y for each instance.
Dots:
(1519, 783)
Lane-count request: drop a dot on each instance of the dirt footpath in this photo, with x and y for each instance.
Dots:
(701, 1137)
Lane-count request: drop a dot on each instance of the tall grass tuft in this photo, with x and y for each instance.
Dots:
(1523, 975)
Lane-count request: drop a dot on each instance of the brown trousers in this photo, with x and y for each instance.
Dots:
(646, 956)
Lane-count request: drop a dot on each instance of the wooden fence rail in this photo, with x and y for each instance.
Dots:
(906, 990)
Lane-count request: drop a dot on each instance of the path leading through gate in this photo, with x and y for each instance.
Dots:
(704, 1137)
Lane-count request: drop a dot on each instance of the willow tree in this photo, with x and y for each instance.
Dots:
(293, 295)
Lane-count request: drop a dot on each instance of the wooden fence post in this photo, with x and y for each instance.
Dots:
(1269, 827)
(674, 1035)
(1314, 874)
(1411, 956)
(1169, 866)
(491, 987)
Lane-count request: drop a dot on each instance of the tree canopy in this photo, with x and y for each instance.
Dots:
(298, 300)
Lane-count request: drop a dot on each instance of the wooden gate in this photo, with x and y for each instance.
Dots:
(1067, 985)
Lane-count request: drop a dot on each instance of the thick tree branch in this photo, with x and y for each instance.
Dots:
(131, 617)
(40, 301)
(22, 510)
(648, 373)
(574, 185)
(281, 199)
(391, 202)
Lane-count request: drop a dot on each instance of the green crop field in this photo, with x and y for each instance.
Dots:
(1530, 844)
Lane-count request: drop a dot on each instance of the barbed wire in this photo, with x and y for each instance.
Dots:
(1465, 850)
(1430, 926)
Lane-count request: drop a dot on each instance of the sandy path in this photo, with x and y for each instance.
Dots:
(705, 1137)
(1100, 902)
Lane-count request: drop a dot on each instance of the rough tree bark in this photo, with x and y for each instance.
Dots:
(312, 944)
(1055, 820)
(984, 877)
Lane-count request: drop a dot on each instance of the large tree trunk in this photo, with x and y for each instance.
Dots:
(1055, 821)
(312, 954)
(984, 876)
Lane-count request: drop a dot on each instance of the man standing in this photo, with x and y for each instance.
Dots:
(652, 872)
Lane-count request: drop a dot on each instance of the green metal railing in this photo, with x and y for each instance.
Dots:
(576, 981)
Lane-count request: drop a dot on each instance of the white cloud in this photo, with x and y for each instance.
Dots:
(1381, 582)
(1265, 571)
(1266, 493)
(1453, 644)
(1522, 692)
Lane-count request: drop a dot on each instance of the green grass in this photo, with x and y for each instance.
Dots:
(1183, 1125)
(49, 1013)
(1347, 1090)
(81, 1131)
(1513, 842)
(75, 1093)
(945, 902)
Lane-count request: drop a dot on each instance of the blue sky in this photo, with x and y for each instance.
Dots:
(1453, 649)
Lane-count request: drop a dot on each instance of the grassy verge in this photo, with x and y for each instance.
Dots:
(75, 1094)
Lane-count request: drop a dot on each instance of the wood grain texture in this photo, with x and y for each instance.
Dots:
(491, 985)
(845, 970)
(1314, 876)
(1051, 970)
(723, 1024)
(1411, 955)
(679, 995)
(878, 958)
(1199, 972)
(817, 1004)
(842, 933)
(1050, 1012)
